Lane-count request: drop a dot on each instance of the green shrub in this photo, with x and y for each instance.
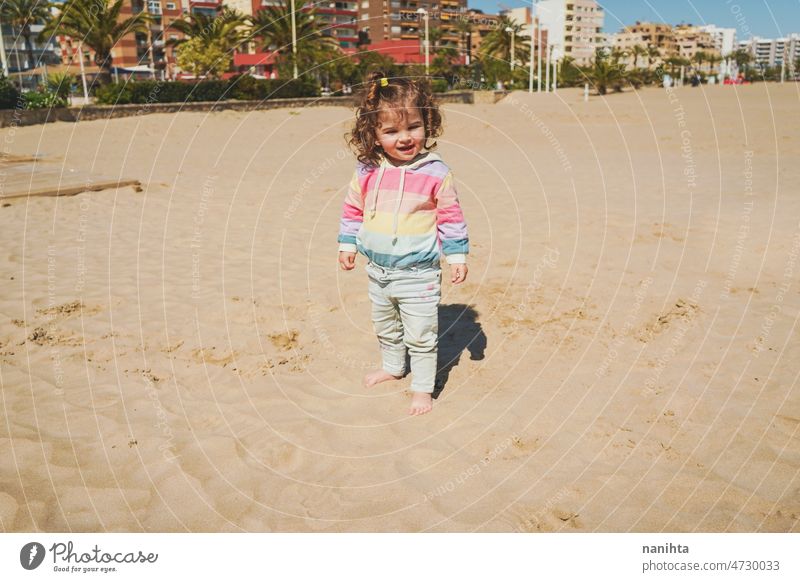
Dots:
(439, 85)
(113, 94)
(245, 87)
(9, 96)
(60, 84)
(42, 100)
(209, 91)
(242, 87)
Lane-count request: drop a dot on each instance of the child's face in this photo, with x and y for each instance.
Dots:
(401, 136)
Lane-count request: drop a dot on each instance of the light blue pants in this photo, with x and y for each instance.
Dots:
(405, 311)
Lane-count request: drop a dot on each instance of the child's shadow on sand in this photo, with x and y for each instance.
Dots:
(458, 330)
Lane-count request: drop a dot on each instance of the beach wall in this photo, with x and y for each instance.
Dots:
(20, 117)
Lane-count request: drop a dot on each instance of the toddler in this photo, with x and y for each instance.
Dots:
(402, 213)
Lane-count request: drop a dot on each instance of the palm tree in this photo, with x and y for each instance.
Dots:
(604, 72)
(675, 63)
(274, 25)
(497, 43)
(464, 29)
(617, 54)
(229, 28)
(742, 58)
(97, 24)
(569, 73)
(652, 54)
(713, 60)
(226, 31)
(700, 57)
(22, 14)
(638, 51)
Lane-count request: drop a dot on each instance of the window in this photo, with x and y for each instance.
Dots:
(170, 5)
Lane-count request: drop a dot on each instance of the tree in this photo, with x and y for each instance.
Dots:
(497, 44)
(219, 35)
(203, 58)
(60, 84)
(274, 25)
(617, 54)
(742, 58)
(435, 35)
(713, 60)
(464, 28)
(569, 74)
(638, 51)
(699, 58)
(22, 14)
(229, 28)
(604, 72)
(652, 55)
(674, 64)
(97, 24)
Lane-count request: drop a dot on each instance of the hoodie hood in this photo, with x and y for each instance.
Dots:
(421, 160)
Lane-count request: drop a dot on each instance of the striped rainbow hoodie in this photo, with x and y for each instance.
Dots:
(404, 216)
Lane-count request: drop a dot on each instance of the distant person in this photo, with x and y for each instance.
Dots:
(402, 213)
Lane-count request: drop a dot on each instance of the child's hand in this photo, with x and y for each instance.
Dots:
(458, 272)
(347, 260)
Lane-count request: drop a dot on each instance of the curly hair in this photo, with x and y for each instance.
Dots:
(399, 94)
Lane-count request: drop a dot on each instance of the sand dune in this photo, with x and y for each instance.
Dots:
(622, 357)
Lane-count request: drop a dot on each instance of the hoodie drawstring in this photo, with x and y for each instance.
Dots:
(399, 201)
(375, 190)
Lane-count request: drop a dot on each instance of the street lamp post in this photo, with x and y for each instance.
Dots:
(530, 62)
(547, 71)
(294, 42)
(511, 30)
(539, 57)
(424, 14)
(3, 52)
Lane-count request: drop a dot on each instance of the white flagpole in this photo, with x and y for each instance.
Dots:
(83, 74)
(530, 69)
(547, 71)
(3, 52)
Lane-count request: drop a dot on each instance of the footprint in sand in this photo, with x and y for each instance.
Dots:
(68, 309)
(682, 310)
(208, 356)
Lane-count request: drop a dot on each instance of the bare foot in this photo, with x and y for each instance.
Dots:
(377, 377)
(421, 403)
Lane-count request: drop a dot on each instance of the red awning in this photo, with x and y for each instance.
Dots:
(247, 60)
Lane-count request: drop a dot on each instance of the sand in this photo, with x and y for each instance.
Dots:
(622, 357)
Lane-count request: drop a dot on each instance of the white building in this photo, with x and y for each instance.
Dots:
(574, 27)
(724, 38)
(524, 17)
(772, 52)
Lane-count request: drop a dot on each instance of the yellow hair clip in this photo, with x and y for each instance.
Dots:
(384, 81)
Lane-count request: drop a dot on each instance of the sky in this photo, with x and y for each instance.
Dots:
(764, 18)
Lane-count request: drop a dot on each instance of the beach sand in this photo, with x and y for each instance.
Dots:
(622, 357)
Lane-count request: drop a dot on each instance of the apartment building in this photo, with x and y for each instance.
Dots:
(574, 28)
(691, 40)
(17, 55)
(724, 38)
(773, 52)
(399, 19)
(530, 26)
(646, 34)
